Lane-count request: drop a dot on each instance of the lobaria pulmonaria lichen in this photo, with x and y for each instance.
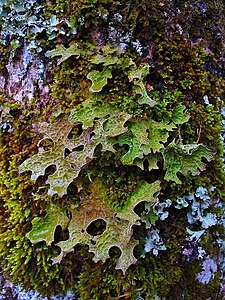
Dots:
(114, 187)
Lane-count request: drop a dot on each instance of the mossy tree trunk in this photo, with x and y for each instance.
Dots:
(111, 159)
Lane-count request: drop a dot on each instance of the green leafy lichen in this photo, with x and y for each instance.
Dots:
(185, 159)
(68, 156)
(118, 231)
(44, 229)
(103, 124)
(144, 137)
(107, 57)
(179, 115)
(93, 110)
(137, 76)
(65, 53)
(99, 79)
(55, 156)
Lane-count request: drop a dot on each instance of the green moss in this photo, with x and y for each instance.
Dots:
(86, 12)
(4, 57)
(154, 276)
(172, 80)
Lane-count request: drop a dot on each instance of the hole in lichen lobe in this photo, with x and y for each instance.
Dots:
(96, 227)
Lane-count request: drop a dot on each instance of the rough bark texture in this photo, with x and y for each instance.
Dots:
(25, 77)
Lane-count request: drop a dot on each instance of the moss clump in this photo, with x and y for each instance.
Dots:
(4, 57)
(84, 13)
(70, 84)
(165, 276)
(119, 180)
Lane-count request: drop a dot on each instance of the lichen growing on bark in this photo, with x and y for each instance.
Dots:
(116, 117)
